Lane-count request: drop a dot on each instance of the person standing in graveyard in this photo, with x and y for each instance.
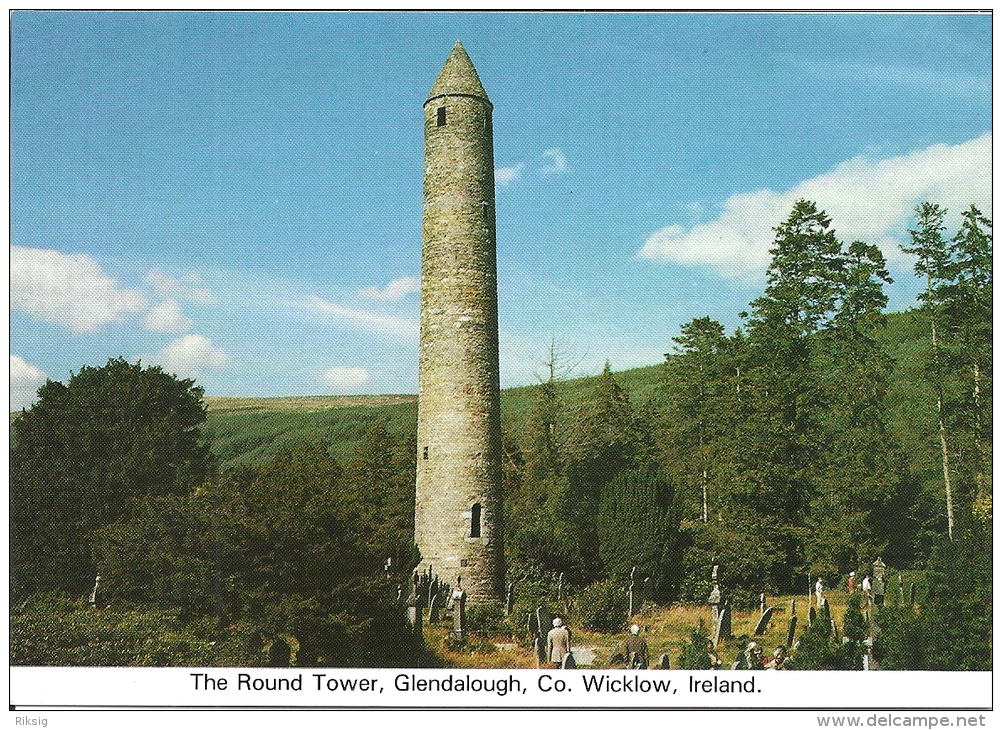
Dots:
(819, 592)
(636, 650)
(867, 590)
(715, 661)
(778, 660)
(878, 590)
(558, 642)
(753, 656)
(852, 582)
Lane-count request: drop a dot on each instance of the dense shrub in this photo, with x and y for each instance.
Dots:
(50, 630)
(637, 527)
(487, 619)
(603, 606)
(693, 655)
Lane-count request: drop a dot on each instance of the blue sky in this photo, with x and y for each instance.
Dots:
(238, 196)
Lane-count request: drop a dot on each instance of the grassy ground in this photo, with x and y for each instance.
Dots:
(666, 629)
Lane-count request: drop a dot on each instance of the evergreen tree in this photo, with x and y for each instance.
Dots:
(700, 405)
(87, 453)
(782, 437)
(605, 442)
(857, 474)
(967, 304)
(539, 513)
(929, 246)
(637, 527)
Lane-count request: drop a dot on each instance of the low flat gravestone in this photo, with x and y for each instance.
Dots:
(763, 623)
(568, 662)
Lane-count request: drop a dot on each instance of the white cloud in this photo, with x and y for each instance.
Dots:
(392, 292)
(344, 379)
(507, 175)
(869, 199)
(167, 317)
(366, 321)
(190, 355)
(68, 290)
(25, 380)
(557, 161)
(189, 286)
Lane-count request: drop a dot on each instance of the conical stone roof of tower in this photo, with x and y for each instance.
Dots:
(458, 76)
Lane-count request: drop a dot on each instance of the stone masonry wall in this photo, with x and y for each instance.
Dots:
(459, 424)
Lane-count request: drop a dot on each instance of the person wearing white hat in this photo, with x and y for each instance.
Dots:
(558, 642)
(637, 652)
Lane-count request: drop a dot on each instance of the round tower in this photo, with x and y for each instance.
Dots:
(458, 521)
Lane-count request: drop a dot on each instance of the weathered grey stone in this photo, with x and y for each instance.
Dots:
(568, 661)
(664, 662)
(458, 521)
(763, 622)
(459, 610)
(791, 631)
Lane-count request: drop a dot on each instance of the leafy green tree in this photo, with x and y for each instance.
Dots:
(541, 534)
(85, 454)
(291, 547)
(603, 606)
(605, 443)
(956, 615)
(380, 479)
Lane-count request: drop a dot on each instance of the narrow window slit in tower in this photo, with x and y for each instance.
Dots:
(424, 453)
(441, 116)
(475, 520)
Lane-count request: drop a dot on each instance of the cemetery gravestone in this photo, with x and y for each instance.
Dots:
(791, 631)
(459, 610)
(763, 622)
